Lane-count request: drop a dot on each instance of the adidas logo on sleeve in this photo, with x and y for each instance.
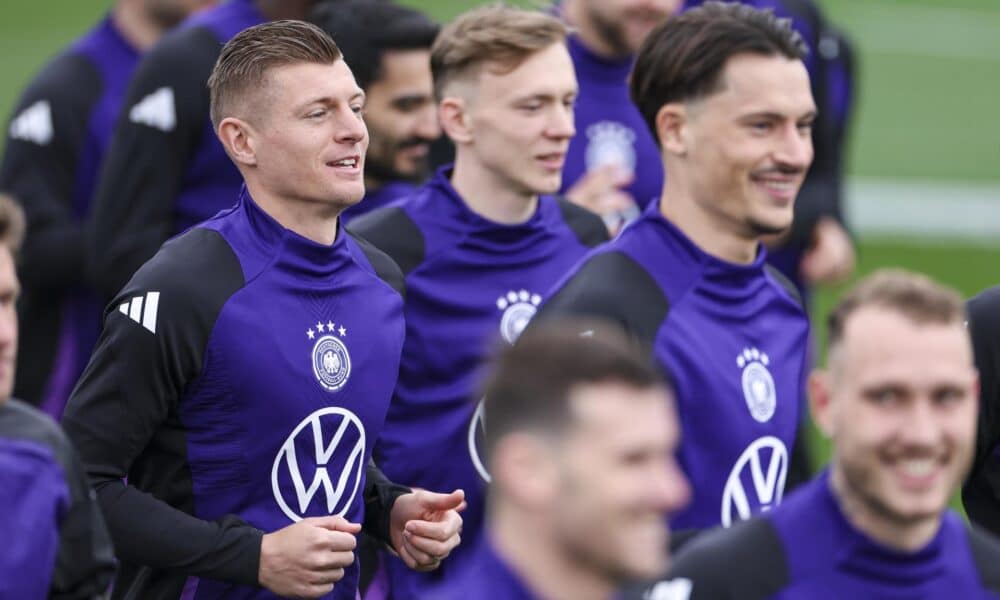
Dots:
(34, 124)
(142, 309)
(156, 110)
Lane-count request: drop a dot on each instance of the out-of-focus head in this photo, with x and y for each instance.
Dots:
(617, 28)
(725, 92)
(580, 438)
(290, 114)
(11, 236)
(899, 398)
(506, 88)
(168, 13)
(388, 48)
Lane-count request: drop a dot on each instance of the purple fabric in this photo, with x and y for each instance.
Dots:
(379, 198)
(290, 437)
(479, 283)
(609, 128)
(828, 557)
(33, 499)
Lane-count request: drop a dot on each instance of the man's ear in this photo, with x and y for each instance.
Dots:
(524, 467)
(238, 138)
(821, 400)
(453, 112)
(672, 128)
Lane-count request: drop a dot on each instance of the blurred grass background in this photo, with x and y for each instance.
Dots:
(929, 83)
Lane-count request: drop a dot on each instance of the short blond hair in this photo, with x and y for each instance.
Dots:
(245, 60)
(498, 35)
(914, 296)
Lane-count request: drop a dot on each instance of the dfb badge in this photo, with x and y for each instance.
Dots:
(757, 383)
(331, 363)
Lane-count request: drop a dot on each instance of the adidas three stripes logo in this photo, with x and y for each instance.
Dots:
(142, 309)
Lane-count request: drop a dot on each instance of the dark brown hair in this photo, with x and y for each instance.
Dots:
(915, 296)
(683, 58)
(502, 36)
(245, 59)
(531, 382)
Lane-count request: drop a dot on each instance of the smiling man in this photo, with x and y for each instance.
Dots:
(245, 371)
(898, 401)
(724, 90)
(389, 49)
(480, 244)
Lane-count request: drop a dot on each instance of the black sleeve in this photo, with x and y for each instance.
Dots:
(981, 492)
(588, 227)
(85, 560)
(128, 396)
(137, 190)
(392, 231)
(380, 495)
(45, 146)
(596, 291)
(744, 562)
(385, 267)
(986, 555)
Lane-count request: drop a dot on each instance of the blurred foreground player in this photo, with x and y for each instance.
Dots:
(389, 49)
(165, 168)
(55, 541)
(480, 245)
(725, 92)
(245, 371)
(55, 146)
(581, 437)
(981, 492)
(898, 401)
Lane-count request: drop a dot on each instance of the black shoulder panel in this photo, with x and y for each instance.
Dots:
(744, 562)
(392, 231)
(612, 286)
(986, 555)
(387, 270)
(588, 227)
(785, 283)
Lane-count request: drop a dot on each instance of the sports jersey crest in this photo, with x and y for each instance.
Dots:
(518, 308)
(610, 143)
(758, 384)
(331, 363)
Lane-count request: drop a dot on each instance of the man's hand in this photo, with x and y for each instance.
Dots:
(425, 527)
(304, 560)
(600, 192)
(830, 258)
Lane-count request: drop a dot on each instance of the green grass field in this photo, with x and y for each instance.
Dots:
(930, 76)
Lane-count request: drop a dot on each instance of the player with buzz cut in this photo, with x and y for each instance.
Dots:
(480, 245)
(165, 170)
(898, 400)
(228, 415)
(56, 141)
(725, 92)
